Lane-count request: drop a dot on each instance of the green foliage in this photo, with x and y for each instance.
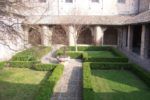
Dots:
(44, 67)
(72, 54)
(32, 54)
(46, 89)
(109, 65)
(87, 86)
(22, 64)
(97, 59)
(24, 58)
(2, 64)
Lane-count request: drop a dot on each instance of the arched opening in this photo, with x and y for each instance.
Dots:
(111, 36)
(137, 30)
(85, 36)
(34, 37)
(59, 36)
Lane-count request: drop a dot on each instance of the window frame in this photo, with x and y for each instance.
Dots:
(69, 1)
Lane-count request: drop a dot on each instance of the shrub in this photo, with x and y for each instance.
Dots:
(96, 59)
(31, 54)
(46, 89)
(44, 67)
(88, 48)
(22, 64)
(72, 54)
(24, 58)
(87, 86)
(2, 64)
(109, 65)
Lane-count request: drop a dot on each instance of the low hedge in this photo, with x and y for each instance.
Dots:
(87, 85)
(141, 73)
(44, 67)
(72, 54)
(24, 58)
(31, 54)
(108, 65)
(47, 87)
(96, 59)
(22, 64)
(2, 64)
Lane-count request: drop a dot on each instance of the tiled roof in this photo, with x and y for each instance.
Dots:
(140, 18)
(92, 20)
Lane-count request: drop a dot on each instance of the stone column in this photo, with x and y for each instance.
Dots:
(46, 36)
(144, 42)
(130, 38)
(71, 35)
(124, 37)
(99, 35)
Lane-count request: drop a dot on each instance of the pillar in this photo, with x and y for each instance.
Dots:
(144, 42)
(130, 38)
(71, 35)
(99, 34)
(47, 35)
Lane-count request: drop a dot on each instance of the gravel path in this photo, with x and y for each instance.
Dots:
(69, 87)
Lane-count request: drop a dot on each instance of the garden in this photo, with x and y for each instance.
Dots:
(108, 75)
(24, 77)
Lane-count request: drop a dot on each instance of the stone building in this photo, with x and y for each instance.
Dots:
(124, 24)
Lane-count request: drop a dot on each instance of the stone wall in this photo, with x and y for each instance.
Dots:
(144, 5)
(83, 7)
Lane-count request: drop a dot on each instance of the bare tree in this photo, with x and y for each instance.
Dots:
(12, 16)
(78, 22)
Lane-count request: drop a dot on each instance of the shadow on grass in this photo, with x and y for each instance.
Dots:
(122, 86)
(20, 91)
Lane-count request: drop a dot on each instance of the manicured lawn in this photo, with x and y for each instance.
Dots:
(118, 85)
(20, 83)
(101, 54)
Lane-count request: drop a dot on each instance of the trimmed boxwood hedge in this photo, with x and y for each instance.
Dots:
(114, 59)
(23, 58)
(72, 54)
(87, 86)
(44, 67)
(22, 64)
(47, 87)
(109, 65)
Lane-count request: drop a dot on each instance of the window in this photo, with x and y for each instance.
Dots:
(69, 1)
(42, 0)
(95, 1)
(121, 1)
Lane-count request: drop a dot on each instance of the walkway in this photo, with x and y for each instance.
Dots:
(51, 57)
(69, 87)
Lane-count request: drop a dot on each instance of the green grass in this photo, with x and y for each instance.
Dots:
(101, 54)
(118, 85)
(20, 83)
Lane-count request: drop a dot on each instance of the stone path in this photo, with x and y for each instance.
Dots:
(50, 57)
(69, 87)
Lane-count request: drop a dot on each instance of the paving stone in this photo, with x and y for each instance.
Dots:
(69, 87)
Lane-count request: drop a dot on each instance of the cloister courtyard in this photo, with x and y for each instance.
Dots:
(92, 72)
(74, 49)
